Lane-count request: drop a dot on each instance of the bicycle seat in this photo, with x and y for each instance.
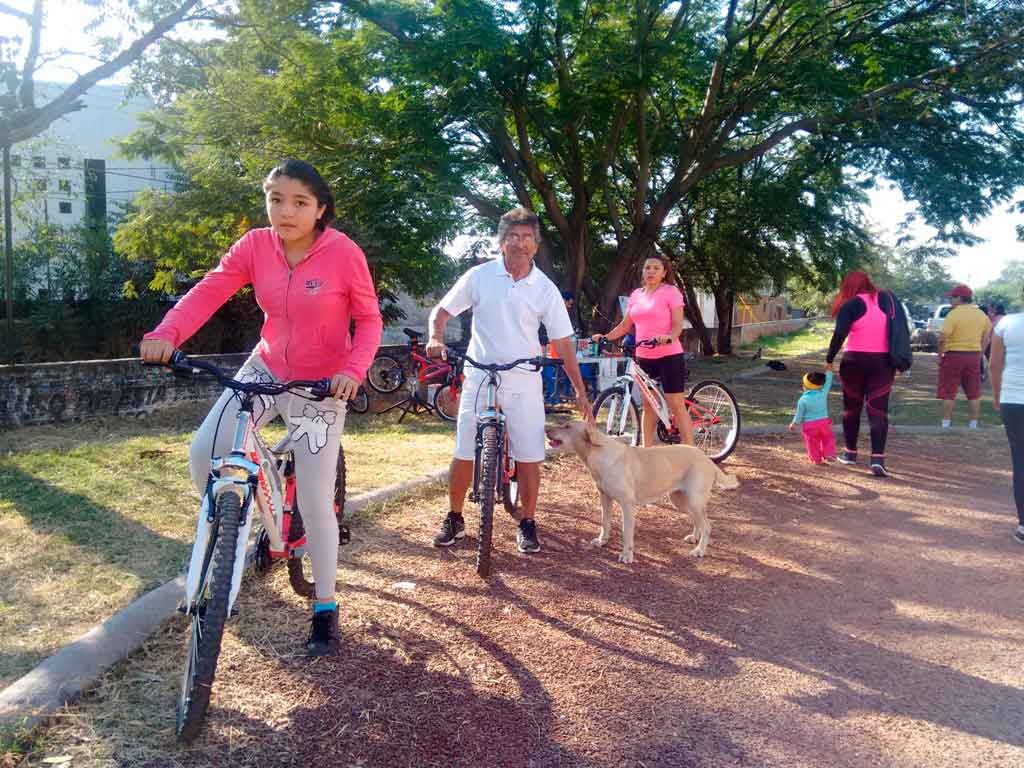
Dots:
(414, 335)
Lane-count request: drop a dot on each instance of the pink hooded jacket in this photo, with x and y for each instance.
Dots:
(307, 309)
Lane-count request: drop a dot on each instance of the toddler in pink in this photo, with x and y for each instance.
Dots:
(812, 414)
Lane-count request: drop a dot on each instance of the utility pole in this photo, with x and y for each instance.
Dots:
(8, 254)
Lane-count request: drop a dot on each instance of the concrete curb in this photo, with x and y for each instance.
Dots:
(62, 677)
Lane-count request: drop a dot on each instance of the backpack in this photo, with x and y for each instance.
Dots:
(900, 355)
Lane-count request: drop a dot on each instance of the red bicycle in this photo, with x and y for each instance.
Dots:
(387, 374)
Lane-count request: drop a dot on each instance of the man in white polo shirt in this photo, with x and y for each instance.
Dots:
(510, 298)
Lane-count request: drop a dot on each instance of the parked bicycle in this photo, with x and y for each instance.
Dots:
(250, 471)
(712, 408)
(387, 375)
(494, 469)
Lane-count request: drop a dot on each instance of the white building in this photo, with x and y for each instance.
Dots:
(74, 169)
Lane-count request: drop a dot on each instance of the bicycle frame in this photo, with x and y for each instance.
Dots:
(491, 414)
(250, 465)
(636, 377)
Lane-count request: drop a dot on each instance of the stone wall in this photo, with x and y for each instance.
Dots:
(44, 393)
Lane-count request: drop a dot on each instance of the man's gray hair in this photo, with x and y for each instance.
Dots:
(518, 217)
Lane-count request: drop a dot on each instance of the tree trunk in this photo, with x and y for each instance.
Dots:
(693, 314)
(725, 301)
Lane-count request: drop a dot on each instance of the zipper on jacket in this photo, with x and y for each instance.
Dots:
(287, 291)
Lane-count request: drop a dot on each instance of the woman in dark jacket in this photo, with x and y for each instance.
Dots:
(861, 312)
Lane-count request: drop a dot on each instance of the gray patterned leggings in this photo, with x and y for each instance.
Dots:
(316, 429)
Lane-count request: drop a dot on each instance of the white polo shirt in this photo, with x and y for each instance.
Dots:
(507, 314)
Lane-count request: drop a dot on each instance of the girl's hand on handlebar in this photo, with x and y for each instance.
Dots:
(665, 339)
(343, 387)
(598, 337)
(155, 351)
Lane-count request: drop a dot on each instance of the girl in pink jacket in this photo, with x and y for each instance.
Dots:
(311, 282)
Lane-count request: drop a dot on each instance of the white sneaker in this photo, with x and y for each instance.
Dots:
(972, 425)
(947, 424)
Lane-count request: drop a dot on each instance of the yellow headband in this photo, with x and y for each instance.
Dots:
(808, 384)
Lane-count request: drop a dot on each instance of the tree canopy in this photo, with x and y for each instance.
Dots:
(622, 125)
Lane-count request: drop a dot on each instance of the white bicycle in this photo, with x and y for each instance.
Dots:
(712, 408)
(250, 472)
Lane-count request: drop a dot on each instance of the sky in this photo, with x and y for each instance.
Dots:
(975, 265)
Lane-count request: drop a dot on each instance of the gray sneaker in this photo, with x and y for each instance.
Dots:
(1018, 535)
(452, 529)
(526, 536)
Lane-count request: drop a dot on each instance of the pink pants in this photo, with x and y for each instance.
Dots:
(820, 441)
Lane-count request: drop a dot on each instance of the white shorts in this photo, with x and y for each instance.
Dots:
(522, 402)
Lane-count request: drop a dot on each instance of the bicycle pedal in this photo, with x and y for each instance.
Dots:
(182, 608)
(344, 534)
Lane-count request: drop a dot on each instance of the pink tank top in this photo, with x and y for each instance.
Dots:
(870, 333)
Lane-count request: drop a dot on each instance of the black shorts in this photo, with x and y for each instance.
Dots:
(669, 370)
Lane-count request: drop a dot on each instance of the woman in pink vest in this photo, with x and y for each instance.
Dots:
(311, 282)
(655, 311)
(861, 313)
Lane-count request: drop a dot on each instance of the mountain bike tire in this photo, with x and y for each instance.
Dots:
(297, 529)
(607, 410)
(208, 619)
(488, 486)
(717, 439)
(386, 374)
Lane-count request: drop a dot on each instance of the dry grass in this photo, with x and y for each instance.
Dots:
(103, 512)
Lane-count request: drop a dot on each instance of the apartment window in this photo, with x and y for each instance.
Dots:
(65, 186)
(65, 207)
(41, 185)
(38, 161)
(63, 162)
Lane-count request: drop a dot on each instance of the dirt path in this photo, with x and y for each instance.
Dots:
(838, 620)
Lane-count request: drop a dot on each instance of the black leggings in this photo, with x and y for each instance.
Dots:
(867, 381)
(1013, 421)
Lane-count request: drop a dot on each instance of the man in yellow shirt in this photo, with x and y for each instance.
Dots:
(965, 331)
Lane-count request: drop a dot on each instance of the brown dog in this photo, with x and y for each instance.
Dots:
(633, 476)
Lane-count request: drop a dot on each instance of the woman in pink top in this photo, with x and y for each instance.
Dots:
(310, 281)
(655, 310)
(862, 312)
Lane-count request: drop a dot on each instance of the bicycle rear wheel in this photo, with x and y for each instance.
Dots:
(299, 567)
(208, 618)
(616, 414)
(386, 374)
(509, 483)
(716, 419)
(488, 485)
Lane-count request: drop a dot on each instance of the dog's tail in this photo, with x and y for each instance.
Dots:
(727, 482)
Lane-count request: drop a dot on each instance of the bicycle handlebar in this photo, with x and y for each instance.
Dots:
(537, 362)
(180, 363)
(624, 345)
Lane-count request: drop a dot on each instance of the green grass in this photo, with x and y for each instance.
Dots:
(97, 514)
(779, 347)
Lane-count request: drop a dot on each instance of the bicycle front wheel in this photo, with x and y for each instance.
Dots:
(446, 401)
(488, 485)
(385, 374)
(616, 414)
(208, 618)
(360, 403)
(716, 419)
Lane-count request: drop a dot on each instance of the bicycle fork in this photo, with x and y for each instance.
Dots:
(240, 475)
